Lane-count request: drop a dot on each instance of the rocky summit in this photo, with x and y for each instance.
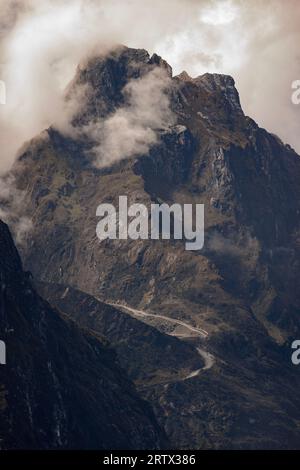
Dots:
(233, 306)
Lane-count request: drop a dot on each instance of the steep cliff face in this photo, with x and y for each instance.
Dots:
(241, 288)
(61, 386)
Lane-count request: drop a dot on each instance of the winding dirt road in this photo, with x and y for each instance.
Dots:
(208, 358)
(142, 313)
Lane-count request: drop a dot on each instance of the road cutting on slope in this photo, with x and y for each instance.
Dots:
(208, 358)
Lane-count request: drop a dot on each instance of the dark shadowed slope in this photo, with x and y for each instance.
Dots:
(61, 386)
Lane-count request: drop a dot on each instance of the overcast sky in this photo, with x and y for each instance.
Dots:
(42, 41)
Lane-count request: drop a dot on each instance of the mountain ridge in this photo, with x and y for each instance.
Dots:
(241, 288)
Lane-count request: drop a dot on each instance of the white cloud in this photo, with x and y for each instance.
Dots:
(43, 41)
(131, 130)
(219, 13)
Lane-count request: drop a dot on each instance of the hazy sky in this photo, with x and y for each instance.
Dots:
(42, 41)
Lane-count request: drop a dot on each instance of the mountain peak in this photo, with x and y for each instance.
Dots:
(184, 76)
(225, 83)
(105, 76)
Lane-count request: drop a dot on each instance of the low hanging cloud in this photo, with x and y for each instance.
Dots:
(132, 129)
(42, 42)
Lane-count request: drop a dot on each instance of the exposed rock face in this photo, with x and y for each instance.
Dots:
(61, 386)
(242, 287)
